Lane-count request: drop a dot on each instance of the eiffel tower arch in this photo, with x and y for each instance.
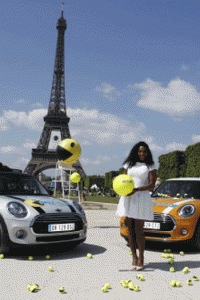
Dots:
(56, 119)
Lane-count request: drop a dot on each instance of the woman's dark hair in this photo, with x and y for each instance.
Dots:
(133, 155)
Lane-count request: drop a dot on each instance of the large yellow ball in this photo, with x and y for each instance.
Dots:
(75, 177)
(123, 185)
(68, 151)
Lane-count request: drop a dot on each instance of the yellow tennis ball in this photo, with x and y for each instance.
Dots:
(30, 258)
(47, 256)
(107, 285)
(62, 290)
(68, 151)
(75, 177)
(123, 185)
(33, 288)
(89, 255)
(51, 269)
(29, 287)
(1, 256)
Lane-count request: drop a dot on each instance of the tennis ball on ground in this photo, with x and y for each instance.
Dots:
(33, 289)
(62, 290)
(36, 286)
(29, 287)
(185, 270)
(125, 285)
(140, 277)
(107, 285)
(178, 283)
(189, 282)
(173, 283)
(171, 261)
(89, 255)
(177, 195)
(169, 250)
(181, 253)
(130, 253)
(104, 289)
(171, 255)
(127, 281)
(165, 250)
(131, 285)
(1, 256)
(47, 256)
(172, 269)
(163, 255)
(136, 288)
(195, 278)
(30, 258)
(51, 269)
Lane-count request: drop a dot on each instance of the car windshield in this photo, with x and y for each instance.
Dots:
(15, 184)
(178, 188)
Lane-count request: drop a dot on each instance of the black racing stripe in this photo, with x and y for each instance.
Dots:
(13, 197)
(71, 207)
(39, 209)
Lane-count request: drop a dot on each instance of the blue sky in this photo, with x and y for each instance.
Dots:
(132, 72)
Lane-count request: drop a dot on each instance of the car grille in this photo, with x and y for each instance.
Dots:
(157, 235)
(41, 222)
(57, 238)
(167, 223)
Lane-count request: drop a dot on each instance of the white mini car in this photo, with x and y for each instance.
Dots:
(30, 216)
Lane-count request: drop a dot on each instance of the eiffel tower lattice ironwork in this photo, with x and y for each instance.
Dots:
(56, 119)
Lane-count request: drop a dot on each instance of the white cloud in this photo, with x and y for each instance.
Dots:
(8, 149)
(155, 147)
(108, 91)
(175, 146)
(196, 138)
(178, 98)
(30, 145)
(3, 124)
(33, 119)
(103, 128)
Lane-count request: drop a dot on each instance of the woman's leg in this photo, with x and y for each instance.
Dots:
(140, 239)
(132, 239)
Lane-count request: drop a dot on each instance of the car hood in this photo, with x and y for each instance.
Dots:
(42, 204)
(166, 205)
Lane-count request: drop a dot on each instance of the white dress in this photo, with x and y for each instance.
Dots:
(140, 204)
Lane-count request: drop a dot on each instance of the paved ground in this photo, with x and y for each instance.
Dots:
(83, 277)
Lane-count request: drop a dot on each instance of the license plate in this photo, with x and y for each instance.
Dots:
(151, 225)
(61, 227)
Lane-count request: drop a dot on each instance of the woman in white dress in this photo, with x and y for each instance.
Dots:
(138, 206)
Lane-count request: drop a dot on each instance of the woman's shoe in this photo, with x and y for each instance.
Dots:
(139, 268)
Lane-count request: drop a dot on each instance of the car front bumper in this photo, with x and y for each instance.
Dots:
(30, 237)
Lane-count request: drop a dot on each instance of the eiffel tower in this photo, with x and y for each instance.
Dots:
(56, 119)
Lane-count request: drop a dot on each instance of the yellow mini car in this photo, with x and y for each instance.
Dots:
(176, 213)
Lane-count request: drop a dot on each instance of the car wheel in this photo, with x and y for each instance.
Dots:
(4, 240)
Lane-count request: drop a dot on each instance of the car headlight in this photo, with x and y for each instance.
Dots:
(79, 207)
(187, 211)
(16, 209)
